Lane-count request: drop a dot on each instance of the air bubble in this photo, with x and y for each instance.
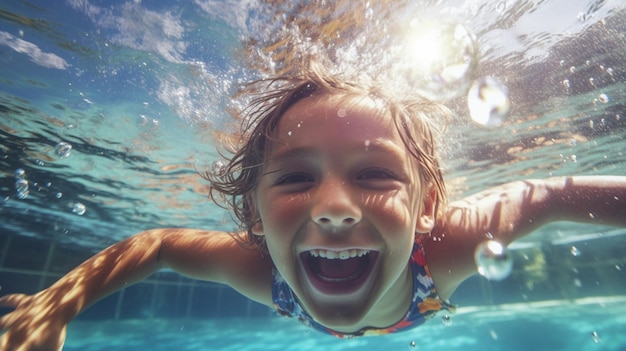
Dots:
(79, 208)
(603, 98)
(21, 189)
(595, 337)
(488, 102)
(218, 169)
(493, 260)
(20, 173)
(446, 320)
(412, 345)
(63, 150)
(574, 251)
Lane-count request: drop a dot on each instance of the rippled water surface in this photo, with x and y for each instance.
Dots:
(109, 108)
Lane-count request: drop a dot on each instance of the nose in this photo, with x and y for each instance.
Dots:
(334, 207)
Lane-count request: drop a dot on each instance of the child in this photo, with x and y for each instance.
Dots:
(344, 220)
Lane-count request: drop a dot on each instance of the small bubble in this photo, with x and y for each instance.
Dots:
(20, 173)
(493, 260)
(574, 251)
(21, 189)
(618, 267)
(501, 7)
(79, 208)
(603, 98)
(581, 17)
(592, 82)
(566, 83)
(59, 195)
(289, 133)
(412, 345)
(595, 337)
(369, 13)
(341, 112)
(63, 150)
(446, 320)
(573, 158)
(488, 102)
(578, 283)
(562, 63)
(572, 69)
(218, 168)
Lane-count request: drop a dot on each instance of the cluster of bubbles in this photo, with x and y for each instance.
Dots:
(21, 184)
(493, 260)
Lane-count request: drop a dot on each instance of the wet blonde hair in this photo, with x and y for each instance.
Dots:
(417, 120)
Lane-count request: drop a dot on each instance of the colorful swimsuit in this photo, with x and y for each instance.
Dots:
(424, 305)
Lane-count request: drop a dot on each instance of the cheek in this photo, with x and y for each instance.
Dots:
(393, 212)
(282, 211)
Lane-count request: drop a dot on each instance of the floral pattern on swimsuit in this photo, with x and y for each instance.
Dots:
(425, 303)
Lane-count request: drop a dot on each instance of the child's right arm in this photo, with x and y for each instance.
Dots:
(38, 321)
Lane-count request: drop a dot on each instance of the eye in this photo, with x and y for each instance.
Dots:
(294, 178)
(376, 173)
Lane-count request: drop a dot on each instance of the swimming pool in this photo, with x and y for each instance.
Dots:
(136, 90)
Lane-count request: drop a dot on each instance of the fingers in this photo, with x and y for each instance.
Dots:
(12, 300)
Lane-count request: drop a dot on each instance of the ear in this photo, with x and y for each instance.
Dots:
(426, 218)
(257, 228)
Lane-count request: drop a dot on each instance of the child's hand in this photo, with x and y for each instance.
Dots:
(36, 324)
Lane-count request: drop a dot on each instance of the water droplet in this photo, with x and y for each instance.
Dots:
(79, 208)
(595, 337)
(493, 260)
(63, 150)
(574, 251)
(488, 102)
(412, 345)
(439, 59)
(603, 98)
(21, 188)
(446, 320)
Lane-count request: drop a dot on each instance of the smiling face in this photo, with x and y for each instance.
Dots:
(340, 201)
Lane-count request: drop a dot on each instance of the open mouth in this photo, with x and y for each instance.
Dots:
(338, 272)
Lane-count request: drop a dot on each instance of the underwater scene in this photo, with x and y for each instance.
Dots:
(111, 110)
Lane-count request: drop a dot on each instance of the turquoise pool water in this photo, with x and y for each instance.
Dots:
(138, 88)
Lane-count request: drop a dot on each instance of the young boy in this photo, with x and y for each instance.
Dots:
(344, 220)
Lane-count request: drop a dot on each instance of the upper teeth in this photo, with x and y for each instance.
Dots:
(342, 255)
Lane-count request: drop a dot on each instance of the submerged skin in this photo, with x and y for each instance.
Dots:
(338, 177)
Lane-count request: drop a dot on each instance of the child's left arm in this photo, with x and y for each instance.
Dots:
(508, 212)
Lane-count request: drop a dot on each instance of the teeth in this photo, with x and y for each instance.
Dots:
(341, 255)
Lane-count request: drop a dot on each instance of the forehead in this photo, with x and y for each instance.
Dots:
(337, 116)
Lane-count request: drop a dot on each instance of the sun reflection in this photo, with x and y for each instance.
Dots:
(438, 58)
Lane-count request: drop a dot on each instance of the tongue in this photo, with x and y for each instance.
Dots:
(339, 268)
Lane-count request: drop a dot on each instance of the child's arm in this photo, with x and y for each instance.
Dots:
(39, 321)
(513, 210)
